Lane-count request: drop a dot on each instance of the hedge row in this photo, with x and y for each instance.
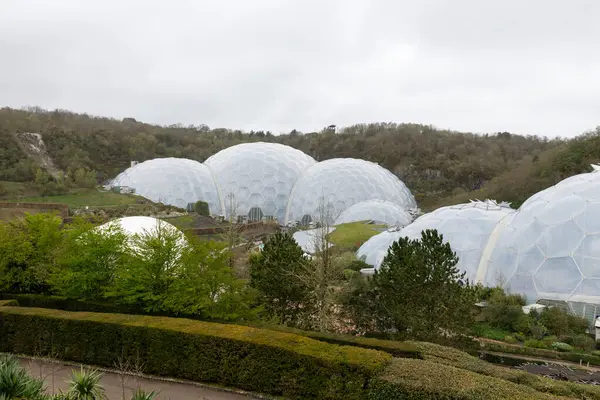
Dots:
(63, 303)
(534, 352)
(458, 359)
(258, 360)
(9, 303)
(426, 380)
(395, 348)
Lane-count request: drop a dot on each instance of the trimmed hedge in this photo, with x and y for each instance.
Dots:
(395, 348)
(252, 359)
(545, 353)
(426, 380)
(9, 303)
(63, 303)
(455, 358)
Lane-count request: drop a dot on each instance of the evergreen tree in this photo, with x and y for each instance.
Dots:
(274, 273)
(419, 291)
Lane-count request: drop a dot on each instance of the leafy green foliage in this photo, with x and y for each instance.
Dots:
(16, 383)
(89, 261)
(275, 272)
(28, 250)
(85, 385)
(252, 359)
(418, 290)
(434, 163)
(201, 208)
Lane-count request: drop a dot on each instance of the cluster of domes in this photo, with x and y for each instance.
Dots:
(548, 249)
(269, 180)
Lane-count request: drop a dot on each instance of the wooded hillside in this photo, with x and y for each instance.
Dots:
(440, 167)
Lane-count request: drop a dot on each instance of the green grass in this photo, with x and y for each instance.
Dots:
(488, 332)
(183, 222)
(354, 234)
(85, 197)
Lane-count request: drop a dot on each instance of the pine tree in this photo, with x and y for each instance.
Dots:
(274, 273)
(419, 291)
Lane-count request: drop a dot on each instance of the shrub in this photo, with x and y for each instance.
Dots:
(201, 208)
(583, 342)
(510, 339)
(538, 344)
(596, 353)
(559, 346)
(252, 359)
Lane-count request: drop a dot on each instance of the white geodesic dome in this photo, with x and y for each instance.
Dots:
(336, 184)
(550, 248)
(375, 249)
(141, 226)
(172, 181)
(466, 227)
(258, 177)
(380, 211)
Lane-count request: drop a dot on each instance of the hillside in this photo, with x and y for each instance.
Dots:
(440, 166)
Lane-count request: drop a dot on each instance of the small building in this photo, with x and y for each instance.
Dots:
(123, 189)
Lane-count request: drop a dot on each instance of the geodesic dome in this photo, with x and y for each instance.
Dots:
(173, 181)
(258, 176)
(380, 211)
(375, 249)
(466, 227)
(550, 248)
(336, 184)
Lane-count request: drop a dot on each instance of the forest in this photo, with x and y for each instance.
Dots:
(441, 167)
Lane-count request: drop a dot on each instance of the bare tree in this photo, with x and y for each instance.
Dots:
(323, 272)
(233, 228)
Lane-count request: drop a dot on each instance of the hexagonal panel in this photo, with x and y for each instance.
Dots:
(173, 181)
(350, 181)
(529, 261)
(562, 210)
(587, 256)
(560, 240)
(557, 275)
(259, 170)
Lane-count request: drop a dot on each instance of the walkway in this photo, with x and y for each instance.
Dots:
(58, 374)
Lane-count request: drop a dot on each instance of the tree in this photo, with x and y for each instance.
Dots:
(274, 273)
(201, 208)
(232, 233)
(207, 287)
(152, 265)
(324, 271)
(419, 292)
(28, 251)
(89, 261)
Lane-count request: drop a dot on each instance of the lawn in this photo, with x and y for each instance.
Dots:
(352, 235)
(85, 197)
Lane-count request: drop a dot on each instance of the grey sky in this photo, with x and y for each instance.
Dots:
(521, 66)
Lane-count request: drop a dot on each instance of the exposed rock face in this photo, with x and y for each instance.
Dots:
(33, 145)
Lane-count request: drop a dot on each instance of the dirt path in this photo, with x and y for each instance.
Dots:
(547, 360)
(112, 383)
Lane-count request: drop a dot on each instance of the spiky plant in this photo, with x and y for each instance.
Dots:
(139, 394)
(16, 383)
(85, 385)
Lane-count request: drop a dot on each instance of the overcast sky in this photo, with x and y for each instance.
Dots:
(524, 66)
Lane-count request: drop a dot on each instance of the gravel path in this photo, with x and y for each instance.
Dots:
(112, 383)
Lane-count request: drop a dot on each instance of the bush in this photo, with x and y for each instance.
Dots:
(537, 344)
(596, 353)
(201, 208)
(559, 346)
(252, 359)
(583, 342)
(510, 339)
